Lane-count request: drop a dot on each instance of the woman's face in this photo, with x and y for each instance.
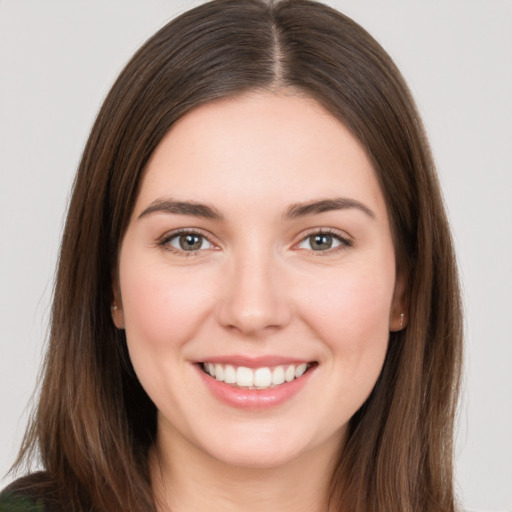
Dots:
(256, 280)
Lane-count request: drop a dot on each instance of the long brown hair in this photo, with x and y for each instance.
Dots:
(94, 423)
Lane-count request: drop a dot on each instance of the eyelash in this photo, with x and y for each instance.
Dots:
(344, 242)
(164, 241)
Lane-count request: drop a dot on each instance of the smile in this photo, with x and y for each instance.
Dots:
(265, 377)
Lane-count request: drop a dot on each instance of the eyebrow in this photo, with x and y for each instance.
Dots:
(325, 205)
(295, 210)
(182, 208)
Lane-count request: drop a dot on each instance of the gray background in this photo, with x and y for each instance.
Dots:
(57, 61)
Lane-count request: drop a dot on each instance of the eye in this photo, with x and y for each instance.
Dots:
(187, 241)
(322, 242)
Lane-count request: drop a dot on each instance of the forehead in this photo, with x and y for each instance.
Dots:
(260, 148)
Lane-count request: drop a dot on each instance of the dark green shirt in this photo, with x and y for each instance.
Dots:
(12, 502)
(32, 493)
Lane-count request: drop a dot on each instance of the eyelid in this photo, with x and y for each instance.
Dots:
(344, 238)
(164, 240)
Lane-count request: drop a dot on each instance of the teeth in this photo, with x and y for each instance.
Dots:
(219, 372)
(263, 378)
(278, 376)
(259, 378)
(229, 374)
(244, 377)
(289, 374)
(300, 370)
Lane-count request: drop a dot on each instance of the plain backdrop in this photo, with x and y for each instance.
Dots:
(57, 61)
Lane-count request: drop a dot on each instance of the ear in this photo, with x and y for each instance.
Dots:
(399, 307)
(116, 309)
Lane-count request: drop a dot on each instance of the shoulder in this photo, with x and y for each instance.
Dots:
(32, 493)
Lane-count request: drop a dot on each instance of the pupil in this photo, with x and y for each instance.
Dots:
(321, 242)
(190, 242)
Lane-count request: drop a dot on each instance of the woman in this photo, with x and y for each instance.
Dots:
(256, 304)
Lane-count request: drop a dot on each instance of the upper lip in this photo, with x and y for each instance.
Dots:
(254, 362)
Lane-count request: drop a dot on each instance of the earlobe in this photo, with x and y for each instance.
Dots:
(116, 309)
(117, 316)
(398, 313)
(402, 323)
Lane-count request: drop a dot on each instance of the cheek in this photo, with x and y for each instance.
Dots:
(162, 307)
(352, 317)
(354, 301)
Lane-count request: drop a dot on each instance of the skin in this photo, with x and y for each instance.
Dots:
(256, 287)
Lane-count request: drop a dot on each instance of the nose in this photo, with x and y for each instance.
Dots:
(254, 298)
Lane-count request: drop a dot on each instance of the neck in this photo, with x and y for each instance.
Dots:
(191, 481)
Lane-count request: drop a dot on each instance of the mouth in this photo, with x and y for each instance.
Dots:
(265, 377)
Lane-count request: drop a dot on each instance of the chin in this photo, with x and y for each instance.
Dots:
(269, 446)
(270, 456)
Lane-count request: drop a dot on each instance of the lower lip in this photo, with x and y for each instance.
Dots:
(254, 399)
